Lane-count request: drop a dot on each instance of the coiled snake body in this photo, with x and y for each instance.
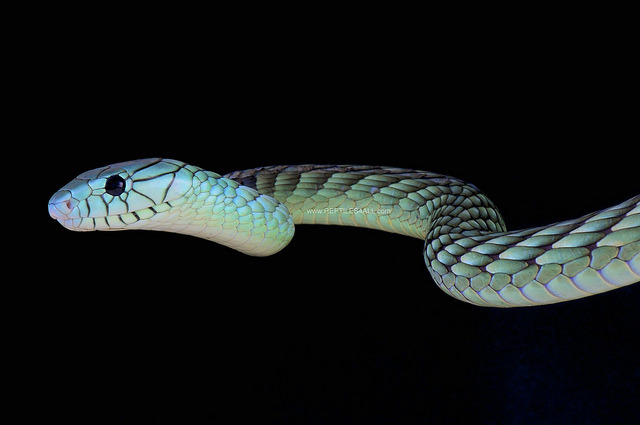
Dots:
(467, 249)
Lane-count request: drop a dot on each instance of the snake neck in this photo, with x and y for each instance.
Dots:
(221, 210)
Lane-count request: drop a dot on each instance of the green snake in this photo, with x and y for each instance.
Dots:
(468, 251)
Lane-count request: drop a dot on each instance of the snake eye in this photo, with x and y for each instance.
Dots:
(114, 186)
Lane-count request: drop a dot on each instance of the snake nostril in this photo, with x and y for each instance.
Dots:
(62, 204)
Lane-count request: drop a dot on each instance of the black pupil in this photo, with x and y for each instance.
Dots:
(114, 186)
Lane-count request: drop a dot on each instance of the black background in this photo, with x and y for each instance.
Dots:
(344, 326)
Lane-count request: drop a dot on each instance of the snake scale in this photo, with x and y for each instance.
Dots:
(468, 251)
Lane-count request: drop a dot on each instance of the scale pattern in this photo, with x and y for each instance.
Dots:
(468, 251)
(564, 261)
(397, 200)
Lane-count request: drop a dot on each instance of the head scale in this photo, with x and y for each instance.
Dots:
(120, 195)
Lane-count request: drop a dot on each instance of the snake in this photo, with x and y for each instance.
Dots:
(468, 251)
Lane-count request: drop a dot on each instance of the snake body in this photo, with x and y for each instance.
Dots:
(468, 251)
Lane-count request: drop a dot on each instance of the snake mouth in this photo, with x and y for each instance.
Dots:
(127, 220)
(79, 216)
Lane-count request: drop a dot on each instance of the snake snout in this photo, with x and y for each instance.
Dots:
(61, 205)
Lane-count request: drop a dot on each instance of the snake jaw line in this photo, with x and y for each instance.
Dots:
(468, 251)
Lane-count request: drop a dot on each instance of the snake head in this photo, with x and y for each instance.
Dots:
(121, 195)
